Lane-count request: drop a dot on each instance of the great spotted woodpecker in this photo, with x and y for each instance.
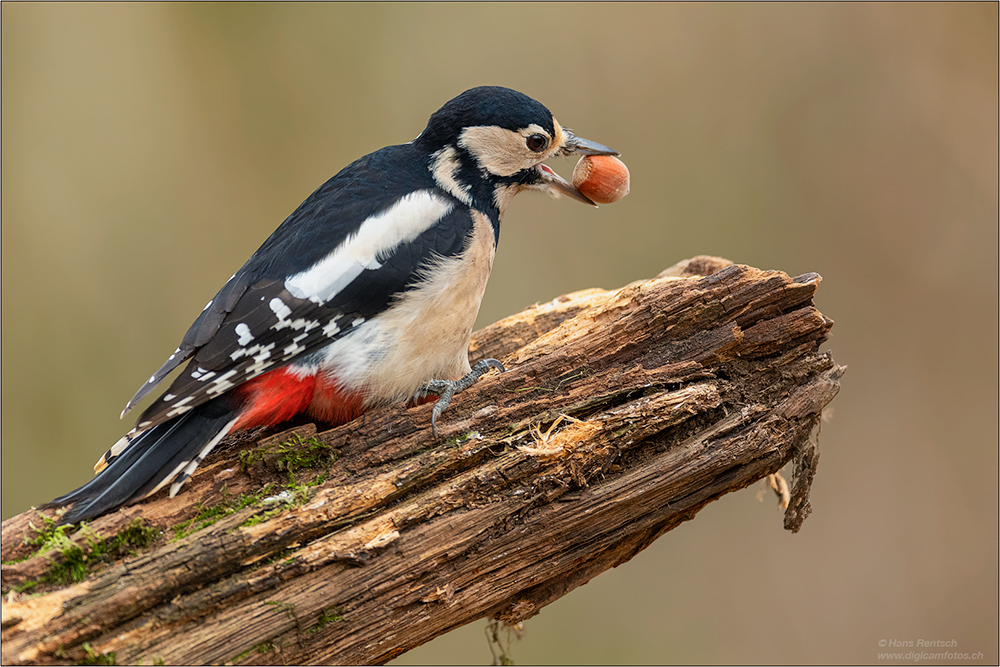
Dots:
(365, 295)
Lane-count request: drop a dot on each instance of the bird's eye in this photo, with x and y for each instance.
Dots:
(537, 142)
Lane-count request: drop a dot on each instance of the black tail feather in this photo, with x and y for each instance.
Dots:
(151, 459)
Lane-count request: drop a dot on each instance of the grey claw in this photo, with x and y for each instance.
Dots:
(446, 389)
(439, 406)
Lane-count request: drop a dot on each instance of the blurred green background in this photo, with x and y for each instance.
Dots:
(148, 149)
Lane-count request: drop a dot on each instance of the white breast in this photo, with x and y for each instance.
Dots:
(425, 334)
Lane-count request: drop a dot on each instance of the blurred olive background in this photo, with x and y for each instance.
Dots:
(148, 149)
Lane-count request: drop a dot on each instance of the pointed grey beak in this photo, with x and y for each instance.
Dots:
(574, 146)
(579, 146)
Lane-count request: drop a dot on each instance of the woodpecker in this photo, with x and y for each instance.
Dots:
(365, 295)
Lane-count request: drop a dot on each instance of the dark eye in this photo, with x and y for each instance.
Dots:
(537, 142)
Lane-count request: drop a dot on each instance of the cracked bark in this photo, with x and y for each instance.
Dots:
(622, 414)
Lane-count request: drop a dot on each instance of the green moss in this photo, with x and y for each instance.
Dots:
(206, 516)
(133, 537)
(26, 585)
(327, 616)
(290, 456)
(458, 441)
(262, 517)
(96, 658)
(287, 554)
(293, 495)
(44, 534)
(288, 609)
(71, 565)
(523, 389)
(261, 648)
(15, 561)
(293, 454)
(68, 560)
(572, 376)
(203, 518)
(72, 562)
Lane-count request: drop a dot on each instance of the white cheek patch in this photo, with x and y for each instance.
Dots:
(376, 238)
(495, 149)
(500, 151)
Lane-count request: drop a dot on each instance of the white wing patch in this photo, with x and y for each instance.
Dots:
(181, 406)
(222, 383)
(377, 236)
(280, 308)
(243, 331)
(201, 374)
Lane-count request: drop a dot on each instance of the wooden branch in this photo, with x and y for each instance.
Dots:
(622, 414)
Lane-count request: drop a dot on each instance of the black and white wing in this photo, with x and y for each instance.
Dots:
(336, 262)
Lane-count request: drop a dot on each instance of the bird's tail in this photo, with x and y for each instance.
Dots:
(145, 463)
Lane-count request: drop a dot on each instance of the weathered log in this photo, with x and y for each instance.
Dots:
(621, 415)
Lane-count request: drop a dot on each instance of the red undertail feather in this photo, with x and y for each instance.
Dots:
(279, 395)
(333, 405)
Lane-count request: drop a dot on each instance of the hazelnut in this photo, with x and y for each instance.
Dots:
(603, 179)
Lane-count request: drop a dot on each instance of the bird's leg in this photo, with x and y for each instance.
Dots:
(446, 389)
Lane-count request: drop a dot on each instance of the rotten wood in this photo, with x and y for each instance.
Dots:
(622, 414)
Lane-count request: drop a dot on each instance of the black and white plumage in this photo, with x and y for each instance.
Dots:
(366, 294)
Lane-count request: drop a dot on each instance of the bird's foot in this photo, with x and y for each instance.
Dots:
(446, 389)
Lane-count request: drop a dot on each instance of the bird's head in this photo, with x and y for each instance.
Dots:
(489, 143)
